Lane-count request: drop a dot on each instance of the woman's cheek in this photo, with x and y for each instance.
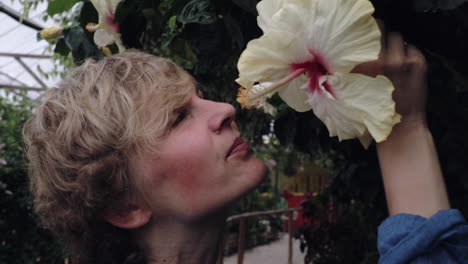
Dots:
(191, 180)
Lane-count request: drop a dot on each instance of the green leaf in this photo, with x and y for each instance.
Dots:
(198, 12)
(172, 23)
(59, 6)
(81, 47)
(281, 107)
(184, 55)
(38, 36)
(166, 4)
(61, 47)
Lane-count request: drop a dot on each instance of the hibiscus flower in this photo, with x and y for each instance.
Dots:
(306, 55)
(107, 31)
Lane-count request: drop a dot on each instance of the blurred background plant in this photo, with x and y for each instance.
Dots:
(22, 240)
(206, 37)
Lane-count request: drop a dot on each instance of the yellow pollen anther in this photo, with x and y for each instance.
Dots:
(91, 27)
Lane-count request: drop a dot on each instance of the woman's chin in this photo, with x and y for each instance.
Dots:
(255, 175)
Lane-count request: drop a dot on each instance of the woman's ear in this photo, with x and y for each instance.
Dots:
(129, 215)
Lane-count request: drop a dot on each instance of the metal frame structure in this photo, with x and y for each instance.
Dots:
(17, 16)
(18, 57)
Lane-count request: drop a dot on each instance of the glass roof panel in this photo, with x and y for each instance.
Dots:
(21, 40)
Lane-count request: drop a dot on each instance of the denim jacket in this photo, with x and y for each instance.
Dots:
(442, 238)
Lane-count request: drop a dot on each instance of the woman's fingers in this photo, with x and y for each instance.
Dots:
(405, 66)
(371, 69)
(394, 52)
(416, 60)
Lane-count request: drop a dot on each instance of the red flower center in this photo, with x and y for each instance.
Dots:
(314, 68)
(110, 22)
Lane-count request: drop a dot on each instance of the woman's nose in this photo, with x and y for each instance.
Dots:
(222, 116)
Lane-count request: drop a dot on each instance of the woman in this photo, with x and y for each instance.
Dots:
(129, 164)
(127, 150)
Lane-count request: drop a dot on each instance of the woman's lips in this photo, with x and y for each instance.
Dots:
(239, 146)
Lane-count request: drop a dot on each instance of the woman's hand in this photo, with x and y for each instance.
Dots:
(406, 67)
(408, 159)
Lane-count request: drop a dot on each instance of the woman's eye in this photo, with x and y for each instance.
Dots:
(180, 116)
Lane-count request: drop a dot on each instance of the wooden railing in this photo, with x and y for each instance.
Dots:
(242, 228)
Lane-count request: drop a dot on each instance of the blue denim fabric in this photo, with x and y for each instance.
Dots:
(442, 238)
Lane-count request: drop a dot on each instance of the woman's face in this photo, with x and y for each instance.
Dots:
(203, 164)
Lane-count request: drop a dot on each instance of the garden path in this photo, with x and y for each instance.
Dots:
(274, 253)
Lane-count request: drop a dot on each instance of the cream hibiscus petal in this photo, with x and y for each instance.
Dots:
(105, 8)
(353, 28)
(296, 18)
(244, 83)
(266, 10)
(268, 58)
(107, 31)
(365, 139)
(102, 38)
(349, 25)
(360, 105)
(294, 97)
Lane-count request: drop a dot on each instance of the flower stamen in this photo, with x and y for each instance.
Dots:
(251, 97)
(92, 27)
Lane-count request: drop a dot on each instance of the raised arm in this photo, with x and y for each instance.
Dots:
(408, 159)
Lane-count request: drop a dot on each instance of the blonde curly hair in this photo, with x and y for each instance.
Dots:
(83, 133)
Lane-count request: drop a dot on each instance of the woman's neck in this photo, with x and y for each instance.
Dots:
(182, 242)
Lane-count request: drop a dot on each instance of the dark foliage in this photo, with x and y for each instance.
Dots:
(22, 240)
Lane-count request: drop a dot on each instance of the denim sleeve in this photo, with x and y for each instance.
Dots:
(442, 238)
